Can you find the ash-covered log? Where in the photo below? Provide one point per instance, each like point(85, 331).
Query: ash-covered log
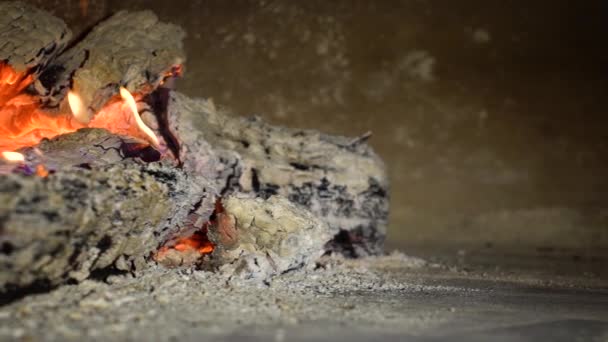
point(131, 49)
point(254, 239)
point(339, 179)
point(29, 37)
point(92, 214)
point(258, 238)
point(198, 188)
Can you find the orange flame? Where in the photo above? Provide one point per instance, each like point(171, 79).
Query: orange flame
point(41, 171)
point(13, 157)
point(23, 123)
point(78, 109)
point(128, 98)
point(11, 83)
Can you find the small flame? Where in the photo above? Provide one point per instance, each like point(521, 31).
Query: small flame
point(78, 109)
point(13, 157)
point(41, 171)
point(24, 122)
point(126, 95)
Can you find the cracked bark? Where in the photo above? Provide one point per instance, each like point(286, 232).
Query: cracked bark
point(268, 237)
point(130, 49)
point(94, 214)
point(337, 178)
point(30, 37)
point(134, 50)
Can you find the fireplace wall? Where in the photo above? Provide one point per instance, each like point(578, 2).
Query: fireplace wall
point(491, 117)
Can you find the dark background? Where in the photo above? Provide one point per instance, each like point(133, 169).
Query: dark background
point(491, 115)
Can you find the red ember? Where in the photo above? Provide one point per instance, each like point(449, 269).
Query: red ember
point(23, 123)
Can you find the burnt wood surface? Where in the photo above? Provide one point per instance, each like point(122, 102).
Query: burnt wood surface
point(29, 37)
point(130, 49)
point(270, 237)
point(134, 50)
point(337, 178)
point(100, 212)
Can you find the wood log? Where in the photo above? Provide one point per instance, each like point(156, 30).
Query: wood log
point(259, 238)
point(105, 203)
point(339, 179)
point(134, 50)
point(74, 221)
point(91, 218)
point(29, 37)
point(88, 148)
point(96, 204)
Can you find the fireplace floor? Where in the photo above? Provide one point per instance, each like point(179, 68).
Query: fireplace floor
point(392, 298)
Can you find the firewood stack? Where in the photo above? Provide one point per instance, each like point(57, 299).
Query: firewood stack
point(86, 192)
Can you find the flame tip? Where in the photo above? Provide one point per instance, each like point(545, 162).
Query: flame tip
point(78, 108)
point(130, 101)
point(14, 157)
point(27, 122)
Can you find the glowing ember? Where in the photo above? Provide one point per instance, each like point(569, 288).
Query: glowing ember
point(198, 241)
point(78, 109)
point(11, 83)
point(126, 95)
point(189, 250)
point(13, 157)
point(41, 171)
point(186, 250)
point(23, 123)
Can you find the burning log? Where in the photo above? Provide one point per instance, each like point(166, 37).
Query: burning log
point(88, 148)
point(339, 179)
point(89, 208)
point(130, 50)
point(29, 40)
point(133, 50)
point(98, 187)
point(108, 215)
point(253, 238)
point(30, 37)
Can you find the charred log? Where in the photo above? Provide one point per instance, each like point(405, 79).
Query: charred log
point(87, 148)
point(339, 179)
point(30, 37)
point(89, 203)
point(259, 238)
point(86, 219)
point(134, 50)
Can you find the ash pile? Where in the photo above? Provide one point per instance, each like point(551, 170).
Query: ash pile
point(106, 170)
